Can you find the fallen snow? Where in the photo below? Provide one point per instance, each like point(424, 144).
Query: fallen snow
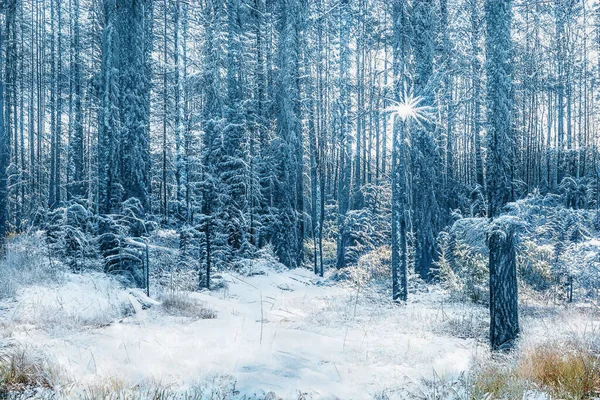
point(287, 332)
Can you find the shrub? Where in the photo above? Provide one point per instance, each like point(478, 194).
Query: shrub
point(463, 268)
point(535, 264)
point(265, 262)
point(557, 251)
point(70, 231)
point(181, 304)
point(27, 262)
point(375, 265)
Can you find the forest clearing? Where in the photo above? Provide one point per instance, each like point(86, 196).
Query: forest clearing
point(299, 199)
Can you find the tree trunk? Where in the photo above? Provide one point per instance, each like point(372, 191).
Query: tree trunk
point(4, 159)
point(504, 313)
point(400, 187)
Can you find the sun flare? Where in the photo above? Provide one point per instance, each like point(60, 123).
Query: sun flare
point(409, 108)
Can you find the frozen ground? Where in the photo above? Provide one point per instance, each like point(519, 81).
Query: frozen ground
point(285, 332)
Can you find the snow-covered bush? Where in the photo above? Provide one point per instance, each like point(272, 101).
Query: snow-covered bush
point(122, 242)
point(579, 268)
point(463, 260)
point(27, 262)
point(367, 230)
point(70, 231)
point(551, 255)
point(574, 192)
point(373, 267)
point(181, 304)
point(190, 250)
point(265, 262)
point(175, 259)
point(119, 257)
point(369, 227)
point(534, 263)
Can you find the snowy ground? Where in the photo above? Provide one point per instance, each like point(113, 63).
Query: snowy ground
point(286, 332)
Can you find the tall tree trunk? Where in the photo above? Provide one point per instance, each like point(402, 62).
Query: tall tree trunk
point(399, 176)
point(78, 187)
point(476, 82)
point(345, 147)
point(504, 324)
point(124, 118)
point(427, 163)
point(4, 162)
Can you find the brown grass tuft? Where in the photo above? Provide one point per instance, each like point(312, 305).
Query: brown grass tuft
point(571, 370)
point(562, 370)
point(20, 370)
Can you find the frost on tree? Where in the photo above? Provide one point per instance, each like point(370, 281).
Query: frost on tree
point(425, 158)
point(124, 115)
point(4, 156)
point(504, 323)
point(500, 135)
point(399, 160)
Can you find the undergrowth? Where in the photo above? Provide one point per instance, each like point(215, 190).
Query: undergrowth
point(564, 370)
point(23, 369)
point(26, 262)
point(182, 304)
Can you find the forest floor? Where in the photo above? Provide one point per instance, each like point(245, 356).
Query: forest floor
point(290, 333)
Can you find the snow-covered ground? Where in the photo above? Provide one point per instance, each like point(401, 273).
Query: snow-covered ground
point(286, 332)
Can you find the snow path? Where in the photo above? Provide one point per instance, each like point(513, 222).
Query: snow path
point(285, 332)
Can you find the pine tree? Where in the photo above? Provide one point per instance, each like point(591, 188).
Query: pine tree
point(77, 187)
point(288, 192)
point(426, 158)
point(504, 326)
point(212, 152)
point(475, 22)
point(345, 147)
point(4, 159)
point(399, 172)
point(8, 165)
point(500, 134)
point(124, 117)
point(233, 169)
point(180, 153)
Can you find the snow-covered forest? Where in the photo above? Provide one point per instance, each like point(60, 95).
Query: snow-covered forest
point(299, 199)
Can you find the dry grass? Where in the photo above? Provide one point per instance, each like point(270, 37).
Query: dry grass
point(498, 380)
point(181, 304)
point(21, 369)
point(218, 387)
point(569, 371)
point(563, 370)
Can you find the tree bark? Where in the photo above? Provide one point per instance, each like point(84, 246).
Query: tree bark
point(504, 313)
